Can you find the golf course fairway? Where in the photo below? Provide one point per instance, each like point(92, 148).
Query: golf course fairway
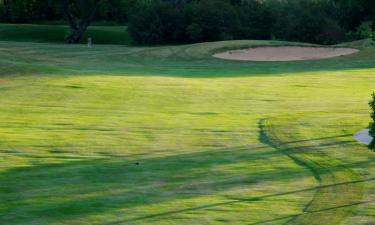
point(171, 135)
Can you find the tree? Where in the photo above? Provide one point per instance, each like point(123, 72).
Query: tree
point(25, 11)
point(372, 124)
point(354, 12)
point(2, 11)
point(114, 10)
point(71, 11)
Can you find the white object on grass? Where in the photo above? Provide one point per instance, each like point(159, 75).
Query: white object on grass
point(89, 42)
point(363, 136)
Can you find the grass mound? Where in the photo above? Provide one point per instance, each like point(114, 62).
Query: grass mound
point(183, 61)
point(365, 43)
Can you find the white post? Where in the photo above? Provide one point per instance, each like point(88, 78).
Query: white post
point(89, 42)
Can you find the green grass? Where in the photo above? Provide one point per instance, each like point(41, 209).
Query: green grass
point(170, 135)
point(57, 33)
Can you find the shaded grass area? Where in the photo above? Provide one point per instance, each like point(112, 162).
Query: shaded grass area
point(94, 187)
point(57, 33)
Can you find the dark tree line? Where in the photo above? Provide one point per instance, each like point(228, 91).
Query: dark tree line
point(186, 21)
point(162, 22)
point(314, 21)
point(31, 11)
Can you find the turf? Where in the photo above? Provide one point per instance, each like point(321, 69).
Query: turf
point(170, 135)
point(57, 33)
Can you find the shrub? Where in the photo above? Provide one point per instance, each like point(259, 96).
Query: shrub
point(331, 32)
point(195, 32)
point(364, 31)
point(255, 20)
point(156, 22)
point(308, 21)
point(212, 20)
point(372, 124)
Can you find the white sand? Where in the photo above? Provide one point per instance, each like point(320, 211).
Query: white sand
point(363, 136)
point(284, 53)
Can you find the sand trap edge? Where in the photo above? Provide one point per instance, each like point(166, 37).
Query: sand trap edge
point(284, 53)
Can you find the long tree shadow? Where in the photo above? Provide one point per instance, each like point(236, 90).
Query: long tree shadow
point(85, 187)
point(258, 198)
point(81, 188)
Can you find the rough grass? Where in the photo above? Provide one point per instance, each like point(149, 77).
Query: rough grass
point(169, 135)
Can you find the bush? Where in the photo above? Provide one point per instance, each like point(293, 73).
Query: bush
point(255, 21)
point(364, 31)
point(308, 21)
point(331, 32)
point(212, 20)
point(372, 124)
point(156, 22)
point(195, 32)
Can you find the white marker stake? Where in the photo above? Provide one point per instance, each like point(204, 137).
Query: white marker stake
point(89, 42)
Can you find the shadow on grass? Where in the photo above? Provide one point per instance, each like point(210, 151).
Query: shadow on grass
point(259, 198)
point(87, 187)
point(80, 188)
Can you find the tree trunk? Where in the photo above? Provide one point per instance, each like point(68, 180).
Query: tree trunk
point(7, 9)
point(78, 32)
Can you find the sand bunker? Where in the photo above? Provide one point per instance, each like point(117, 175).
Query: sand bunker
point(363, 136)
point(284, 53)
